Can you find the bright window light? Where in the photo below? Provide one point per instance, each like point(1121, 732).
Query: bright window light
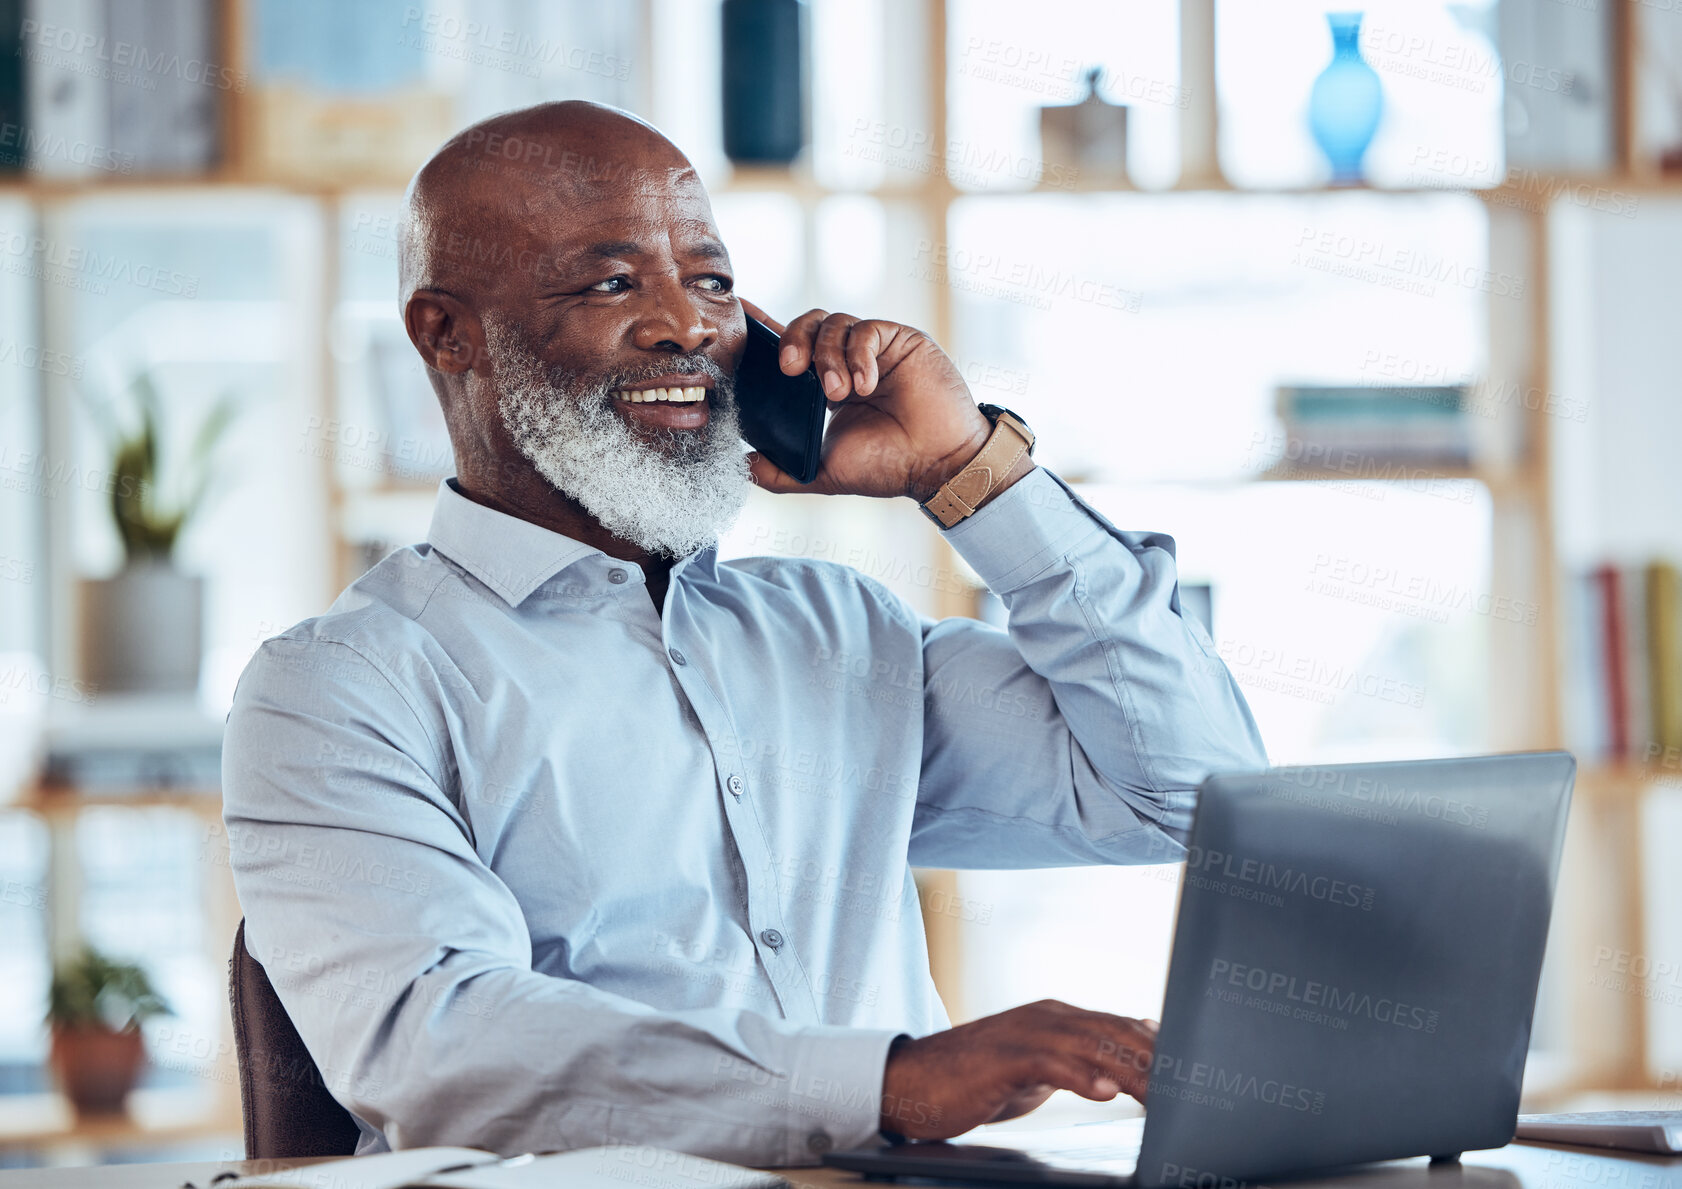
point(1149, 334)
point(1007, 60)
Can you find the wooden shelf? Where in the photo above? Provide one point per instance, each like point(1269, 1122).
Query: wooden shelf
point(154, 1117)
point(1532, 188)
point(798, 182)
point(1500, 480)
point(1290, 472)
point(1626, 778)
point(49, 189)
point(56, 798)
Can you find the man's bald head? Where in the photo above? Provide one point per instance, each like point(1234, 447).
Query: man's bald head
point(468, 209)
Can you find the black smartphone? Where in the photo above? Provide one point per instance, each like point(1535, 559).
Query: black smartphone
point(782, 416)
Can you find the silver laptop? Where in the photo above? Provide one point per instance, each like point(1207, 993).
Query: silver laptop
point(1354, 971)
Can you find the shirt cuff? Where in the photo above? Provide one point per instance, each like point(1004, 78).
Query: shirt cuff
point(834, 1092)
point(1023, 530)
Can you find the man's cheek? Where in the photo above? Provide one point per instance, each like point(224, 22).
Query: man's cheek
point(732, 342)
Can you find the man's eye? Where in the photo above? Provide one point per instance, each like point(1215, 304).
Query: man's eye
point(715, 284)
point(611, 285)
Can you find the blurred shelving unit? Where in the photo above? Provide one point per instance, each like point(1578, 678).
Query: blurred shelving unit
point(1524, 696)
point(207, 1107)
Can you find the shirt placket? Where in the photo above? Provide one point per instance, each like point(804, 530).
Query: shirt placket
point(777, 949)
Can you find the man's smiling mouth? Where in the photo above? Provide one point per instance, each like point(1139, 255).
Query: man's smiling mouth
point(675, 401)
point(671, 395)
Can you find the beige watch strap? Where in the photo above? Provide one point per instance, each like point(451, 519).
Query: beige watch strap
point(963, 492)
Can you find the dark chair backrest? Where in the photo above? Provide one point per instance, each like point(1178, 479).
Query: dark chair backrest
point(288, 1109)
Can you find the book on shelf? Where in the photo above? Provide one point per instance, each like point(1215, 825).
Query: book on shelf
point(118, 86)
point(1415, 424)
point(1664, 647)
point(1624, 663)
point(67, 90)
point(133, 743)
point(1560, 84)
point(1639, 727)
point(1656, 100)
point(166, 107)
point(12, 153)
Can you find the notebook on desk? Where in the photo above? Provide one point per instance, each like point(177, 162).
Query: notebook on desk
point(468, 1168)
point(1632, 1131)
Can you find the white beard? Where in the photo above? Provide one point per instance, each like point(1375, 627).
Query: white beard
point(670, 495)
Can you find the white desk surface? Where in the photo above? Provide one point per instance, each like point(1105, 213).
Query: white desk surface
point(1517, 1166)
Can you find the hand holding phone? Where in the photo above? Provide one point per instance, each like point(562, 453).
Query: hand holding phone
point(903, 423)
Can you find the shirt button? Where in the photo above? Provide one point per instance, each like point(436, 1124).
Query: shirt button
point(819, 1142)
point(773, 940)
point(617, 577)
point(734, 784)
point(677, 657)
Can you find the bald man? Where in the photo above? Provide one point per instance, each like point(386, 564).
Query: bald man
point(557, 830)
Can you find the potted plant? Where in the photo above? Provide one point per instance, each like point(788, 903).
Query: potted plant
point(95, 1010)
point(142, 627)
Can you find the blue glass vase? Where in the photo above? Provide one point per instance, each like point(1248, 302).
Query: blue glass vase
point(1347, 101)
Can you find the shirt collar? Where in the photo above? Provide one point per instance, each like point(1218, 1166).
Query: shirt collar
point(511, 556)
point(702, 563)
point(514, 557)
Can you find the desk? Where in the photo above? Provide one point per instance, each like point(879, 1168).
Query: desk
point(1517, 1166)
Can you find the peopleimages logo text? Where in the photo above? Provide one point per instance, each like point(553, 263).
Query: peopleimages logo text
point(1220, 865)
point(1383, 1009)
point(1210, 1085)
point(1358, 786)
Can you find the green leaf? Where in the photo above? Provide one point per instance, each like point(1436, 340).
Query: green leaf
point(138, 509)
point(94, 989)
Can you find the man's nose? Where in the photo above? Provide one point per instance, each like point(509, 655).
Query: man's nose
point(674, 321)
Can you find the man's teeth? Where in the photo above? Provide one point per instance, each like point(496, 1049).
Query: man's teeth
point(674, 395)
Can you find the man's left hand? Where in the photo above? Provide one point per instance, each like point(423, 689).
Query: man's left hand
point(904, 421)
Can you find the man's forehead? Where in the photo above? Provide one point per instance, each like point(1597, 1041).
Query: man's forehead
point(673, 205)
point(629, 239)
point(608, 182)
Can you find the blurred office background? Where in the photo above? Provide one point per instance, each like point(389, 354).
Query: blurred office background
point(1396, 367)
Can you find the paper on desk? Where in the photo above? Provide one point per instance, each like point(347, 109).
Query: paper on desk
point(388, 1170)
point(618, 1167)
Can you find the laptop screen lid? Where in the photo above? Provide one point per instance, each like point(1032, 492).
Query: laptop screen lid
point(1355, 965)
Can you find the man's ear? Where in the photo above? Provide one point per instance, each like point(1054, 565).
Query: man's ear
point(445, 331)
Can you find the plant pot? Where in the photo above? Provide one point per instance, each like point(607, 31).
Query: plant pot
point(142, 630)
point(96, 1067)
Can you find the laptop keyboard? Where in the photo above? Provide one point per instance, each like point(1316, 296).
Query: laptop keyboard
point(1108, 1146)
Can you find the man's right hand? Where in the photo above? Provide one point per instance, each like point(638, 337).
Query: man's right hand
point(1001, 1066)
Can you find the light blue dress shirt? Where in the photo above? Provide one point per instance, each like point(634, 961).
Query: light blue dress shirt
point(535, 865)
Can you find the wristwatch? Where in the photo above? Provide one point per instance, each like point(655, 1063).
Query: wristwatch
point(962, 493)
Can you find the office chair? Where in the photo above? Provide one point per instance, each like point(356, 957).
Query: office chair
point(287, 1107)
